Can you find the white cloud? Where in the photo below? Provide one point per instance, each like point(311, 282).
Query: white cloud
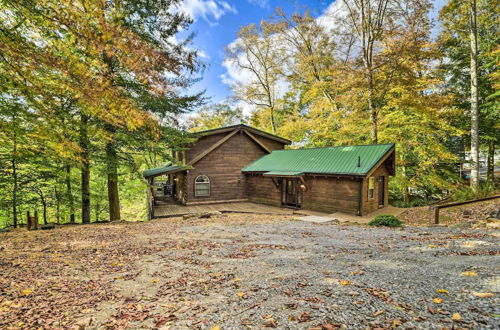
point(209, 10)
point(260, 3)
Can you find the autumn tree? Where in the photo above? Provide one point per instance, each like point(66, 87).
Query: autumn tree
point(214, 116)
point(259, 53)
point(115, 61)
point(455, 43)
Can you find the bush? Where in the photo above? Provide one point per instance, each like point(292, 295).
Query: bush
point(466, 193)
point(385, 220)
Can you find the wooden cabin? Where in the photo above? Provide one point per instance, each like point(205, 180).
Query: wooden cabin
point(240, 163)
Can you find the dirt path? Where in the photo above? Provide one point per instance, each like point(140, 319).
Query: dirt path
point(240, 271)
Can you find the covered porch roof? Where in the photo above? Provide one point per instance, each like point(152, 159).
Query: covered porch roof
point(283, 173)
point(168, 168)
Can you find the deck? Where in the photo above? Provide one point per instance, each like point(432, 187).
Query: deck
point(165, 210)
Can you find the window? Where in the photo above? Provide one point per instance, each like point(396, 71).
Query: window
point(371, 187)
point(201, 186)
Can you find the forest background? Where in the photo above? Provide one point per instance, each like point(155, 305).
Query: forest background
point(94, 92)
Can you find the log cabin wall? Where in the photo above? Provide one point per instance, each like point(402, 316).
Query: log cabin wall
point(263, 190)
point(322, 194)
point(223, 166)
point(328, 194)
point(372, 204)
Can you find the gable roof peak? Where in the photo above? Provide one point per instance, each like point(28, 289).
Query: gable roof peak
point(241, 126)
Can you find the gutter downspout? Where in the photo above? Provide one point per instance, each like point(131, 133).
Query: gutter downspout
point(360, 189)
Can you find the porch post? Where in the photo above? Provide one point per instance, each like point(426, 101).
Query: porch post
point(149, 201)
point(360, 193)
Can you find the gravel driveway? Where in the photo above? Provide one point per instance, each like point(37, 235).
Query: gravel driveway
point(247, 271)
point(242, 271)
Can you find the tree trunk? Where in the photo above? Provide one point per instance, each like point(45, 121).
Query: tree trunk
point(112, 167)
point(273, 124)
point(58, 205)
point(14, 187)
point(44, 205)
point(70, 194)
point(491, 162)
point(84, 144)
point(371, 107)
point(474, 98)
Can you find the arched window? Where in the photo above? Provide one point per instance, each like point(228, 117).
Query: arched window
point(201, 186)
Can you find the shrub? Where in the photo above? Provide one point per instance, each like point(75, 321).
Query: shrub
point(466, 193)
point(385, 220)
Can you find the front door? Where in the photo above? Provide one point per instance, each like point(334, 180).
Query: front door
point(381, 191)
point(291, 193)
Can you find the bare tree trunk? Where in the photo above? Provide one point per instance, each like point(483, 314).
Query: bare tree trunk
point(112, 167)
point(474, 149)
point(70, 194)
point(84, 144)
point(490, 176)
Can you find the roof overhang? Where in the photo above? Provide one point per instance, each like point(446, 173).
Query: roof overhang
point(283, 174)
point(163, 170)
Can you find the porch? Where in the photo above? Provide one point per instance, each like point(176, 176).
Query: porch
point(168, 209)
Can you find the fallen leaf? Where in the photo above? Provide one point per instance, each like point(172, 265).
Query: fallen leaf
point(380, 312)
point(437, 300)
point(469, 273)
point(483, 294)
point(270, 323)
point(345, 282)
point(442, 291)
point(456, 317)
point(26, 292)
point(216, 327)
point(268, 316)
point(156, 280)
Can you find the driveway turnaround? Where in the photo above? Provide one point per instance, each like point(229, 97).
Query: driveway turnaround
point(240, 271)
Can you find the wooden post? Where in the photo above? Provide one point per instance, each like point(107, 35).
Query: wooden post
point(436, 215)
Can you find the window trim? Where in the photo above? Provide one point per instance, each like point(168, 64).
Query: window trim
point(196, 184)
point(371, 191)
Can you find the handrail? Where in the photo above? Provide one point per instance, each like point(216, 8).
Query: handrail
point(436, 208)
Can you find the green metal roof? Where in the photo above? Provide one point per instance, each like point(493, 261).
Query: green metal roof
point(282, 173)
point(167, 168)
point(334, 160)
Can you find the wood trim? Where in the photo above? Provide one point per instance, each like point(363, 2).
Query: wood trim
point(213, 147)
point(249, 128)
point(381, 161)
point(217, 201)
point(262, 145)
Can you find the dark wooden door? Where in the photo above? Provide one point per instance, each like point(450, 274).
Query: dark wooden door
point(291, 193)
point(381, 191)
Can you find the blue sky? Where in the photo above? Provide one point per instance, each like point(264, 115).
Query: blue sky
point(218, 21)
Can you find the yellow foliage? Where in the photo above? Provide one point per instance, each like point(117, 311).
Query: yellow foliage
point(469, 273)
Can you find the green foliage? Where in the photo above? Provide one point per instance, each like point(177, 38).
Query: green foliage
point(385, 220)
point(218, 115)
point(120, 65)
point(466, 193)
